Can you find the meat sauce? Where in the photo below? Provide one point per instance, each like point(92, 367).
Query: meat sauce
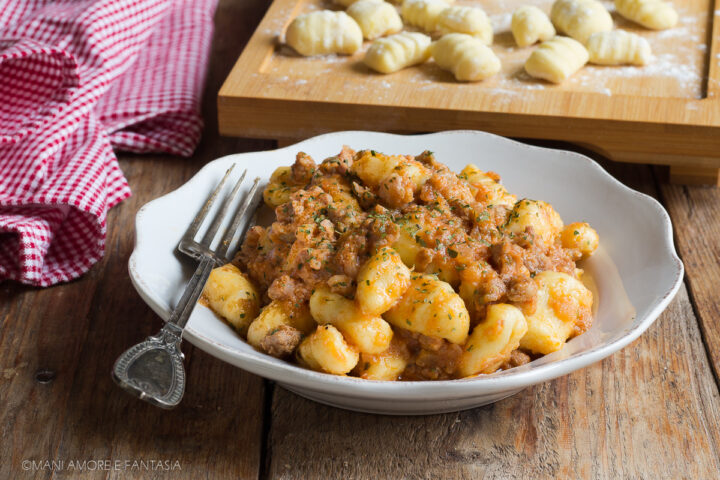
point(333, 221)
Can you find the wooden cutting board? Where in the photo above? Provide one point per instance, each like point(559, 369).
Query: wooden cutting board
point(665, 113)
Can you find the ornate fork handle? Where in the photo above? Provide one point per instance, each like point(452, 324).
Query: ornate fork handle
point(153, 369)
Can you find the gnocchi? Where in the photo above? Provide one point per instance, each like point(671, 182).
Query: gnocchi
point(653, 14)
point(557, 59)
point(530, 25)
point(387, 365)
point(538, 216)
point(492, 341)
point(232, 295)
point(382, 280)
point(579, 19)
point(486, 189)
point(618, 47)
point(463, 19)
point(393, 267)
point(396, 52)
point(423, 13)
point(394, 178)
point(468, 58)
point(323, 32)
point(431, 307)
point(376, 18)
point(581, 238)
point(326, 350)
point(563, 311)
point(369, 333)
point(276, 315)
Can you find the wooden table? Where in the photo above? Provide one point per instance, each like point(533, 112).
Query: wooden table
point(651, 410)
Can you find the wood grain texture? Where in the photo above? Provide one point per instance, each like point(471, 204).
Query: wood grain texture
point(695, 212)
point(664, 113)
point(71, 334)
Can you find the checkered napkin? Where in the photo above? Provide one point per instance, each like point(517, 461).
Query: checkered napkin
point(77, 78)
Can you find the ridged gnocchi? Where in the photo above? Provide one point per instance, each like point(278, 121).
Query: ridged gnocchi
point(653, 14)
point(468, 58)
point(580, 18)
point(230, 294)
point(463, 19)
point(556, 59)
point(431, 307)
point(618, 47)
point(564, 310)
point(369, 333)
point(279, 188)
point(423, 13)
point(486, 189)
point(387, 365)
point(492, 340)
point(581, 237)
point(275, 315)
point(402, 50)
point(326, 350)
point(323, 32)
point(394, 178)
point(538, 216)
point(376, 18)
point(381, 281)
point(530, 25)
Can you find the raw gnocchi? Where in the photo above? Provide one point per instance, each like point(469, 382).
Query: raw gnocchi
point(618, 47)
point(563, 311)
point(468, 58)
point(653, 14)
point(382, 280)
point(369, 333)
point(492, 341)
point(326, 350)
point(463, 19)
point(376, 18)
point(555, 60)
point(530, 25)
point(431, 307)
point(580, 18)
point(230, 294)
point(423, 13)
point(402, 50)
point(323, 32)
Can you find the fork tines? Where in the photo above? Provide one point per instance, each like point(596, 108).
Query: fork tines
point(190, 246)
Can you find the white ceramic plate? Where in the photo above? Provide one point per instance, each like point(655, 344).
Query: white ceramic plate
point(636, 270)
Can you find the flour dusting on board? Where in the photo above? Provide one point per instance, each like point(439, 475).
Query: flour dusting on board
point(677, 68)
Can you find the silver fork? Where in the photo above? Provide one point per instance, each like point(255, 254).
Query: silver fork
point(153, 369)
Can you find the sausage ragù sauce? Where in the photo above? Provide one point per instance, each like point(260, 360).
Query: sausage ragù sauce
point(463, 229)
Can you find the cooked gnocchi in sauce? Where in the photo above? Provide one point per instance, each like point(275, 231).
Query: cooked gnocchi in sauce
point(393, 267)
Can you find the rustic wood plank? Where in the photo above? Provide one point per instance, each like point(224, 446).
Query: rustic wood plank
point(71, 334)
point(651, 410)
point(696, 220)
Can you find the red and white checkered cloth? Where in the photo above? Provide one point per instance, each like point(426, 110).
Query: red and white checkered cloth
point(77, 78)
